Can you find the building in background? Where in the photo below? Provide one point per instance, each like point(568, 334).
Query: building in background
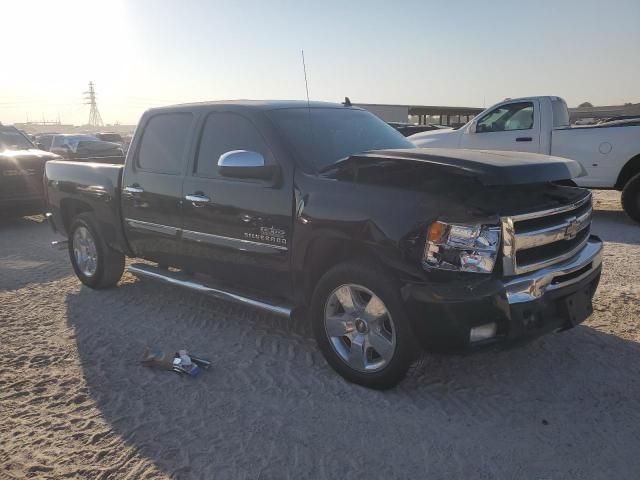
point(589, 114)
point(422, 114)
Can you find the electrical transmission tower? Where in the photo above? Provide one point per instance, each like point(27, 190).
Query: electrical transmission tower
point(95, 120)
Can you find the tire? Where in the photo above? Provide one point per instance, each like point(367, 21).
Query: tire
point(631, 198)
point(363, 331)
point(107, 265)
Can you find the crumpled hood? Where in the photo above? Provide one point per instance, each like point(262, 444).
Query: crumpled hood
point(489, 167)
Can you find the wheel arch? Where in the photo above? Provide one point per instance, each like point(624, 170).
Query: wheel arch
point(70, 208)
point(325, 252)
point(631, 168)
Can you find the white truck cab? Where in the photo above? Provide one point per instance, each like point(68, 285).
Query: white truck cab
point(609, 154)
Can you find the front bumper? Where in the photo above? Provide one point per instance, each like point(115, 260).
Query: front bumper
point(551, 299)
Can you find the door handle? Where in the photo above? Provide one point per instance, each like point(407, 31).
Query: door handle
point(133, 189)
point(524, 139)
point(197, 199)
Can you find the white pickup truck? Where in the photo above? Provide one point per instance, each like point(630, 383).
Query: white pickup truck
point(609, 154)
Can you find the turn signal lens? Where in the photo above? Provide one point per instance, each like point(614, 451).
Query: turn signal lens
point(437, 231)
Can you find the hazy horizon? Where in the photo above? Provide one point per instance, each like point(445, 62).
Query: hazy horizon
point(149, 53)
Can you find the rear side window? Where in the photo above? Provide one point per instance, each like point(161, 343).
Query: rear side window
point(512, 116)
point(560, 113)
point(222, 133)
point(164, 141)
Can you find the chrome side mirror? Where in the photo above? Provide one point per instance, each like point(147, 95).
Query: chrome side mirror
point(244, 164)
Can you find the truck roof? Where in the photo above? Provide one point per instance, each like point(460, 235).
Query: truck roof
point(254, 105)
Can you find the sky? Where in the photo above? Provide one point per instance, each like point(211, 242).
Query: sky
point(146, 53)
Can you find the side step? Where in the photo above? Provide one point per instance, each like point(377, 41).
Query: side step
point(180, 279)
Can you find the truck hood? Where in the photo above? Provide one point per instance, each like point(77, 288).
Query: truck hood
point(30, 154)
point(489, 167)
point(441, 136)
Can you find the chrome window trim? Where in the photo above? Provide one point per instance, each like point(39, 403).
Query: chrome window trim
point(202, 237)
point(230, 241)
point(153, 227)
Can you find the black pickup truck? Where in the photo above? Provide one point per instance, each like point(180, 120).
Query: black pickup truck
point(325, 210)
point(21, 171)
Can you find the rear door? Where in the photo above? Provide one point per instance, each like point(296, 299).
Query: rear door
point(152, 186)
point(510, 126)
point(239, 230)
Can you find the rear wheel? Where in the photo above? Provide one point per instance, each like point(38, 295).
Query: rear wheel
point(631, 198)
point(94, 262)
point(361, 326)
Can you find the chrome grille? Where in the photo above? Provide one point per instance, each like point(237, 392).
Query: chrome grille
point(540, 239)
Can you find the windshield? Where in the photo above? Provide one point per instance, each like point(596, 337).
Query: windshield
point(72, 140)
point(12, 139)
point(320, 137)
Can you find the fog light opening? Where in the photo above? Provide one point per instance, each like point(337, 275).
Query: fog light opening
point(483, 332)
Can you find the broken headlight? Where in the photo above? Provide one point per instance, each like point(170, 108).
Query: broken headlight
point(462, 248)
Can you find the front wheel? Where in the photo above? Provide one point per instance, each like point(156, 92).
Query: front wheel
point(631, 198)
point(361, 326)
point(95, 263)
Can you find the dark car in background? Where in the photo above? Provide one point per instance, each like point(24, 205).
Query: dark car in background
point(83, 147)
point(21, 172)
point(110, 137)
point(408, 129)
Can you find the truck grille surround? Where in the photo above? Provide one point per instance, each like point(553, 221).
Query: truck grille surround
point(536, 240)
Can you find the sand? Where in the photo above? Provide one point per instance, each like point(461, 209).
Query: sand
point(75, 402)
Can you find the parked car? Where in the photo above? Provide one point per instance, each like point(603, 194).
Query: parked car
point(110, 137)
point(21, 172)
point(83, 147)
point(43, 141)
point(408, 129)
point(610, 153)
point(325, 209)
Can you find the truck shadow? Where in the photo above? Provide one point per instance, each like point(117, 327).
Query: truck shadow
point(25, 253)
point(615, 226)
point(270, 407)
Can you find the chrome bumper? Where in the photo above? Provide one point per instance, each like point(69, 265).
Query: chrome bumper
point(532, 286)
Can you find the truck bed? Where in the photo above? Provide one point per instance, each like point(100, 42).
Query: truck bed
point(91, 187)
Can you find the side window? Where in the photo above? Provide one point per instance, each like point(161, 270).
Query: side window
point(163, 142)
point(513, 116)
point(222, 133)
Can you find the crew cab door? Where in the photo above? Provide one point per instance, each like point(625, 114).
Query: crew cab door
point(237, 225)
point(509, 126)
point(152, 186)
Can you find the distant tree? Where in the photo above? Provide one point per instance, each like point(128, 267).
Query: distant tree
point(585, 105)
point(628, 104)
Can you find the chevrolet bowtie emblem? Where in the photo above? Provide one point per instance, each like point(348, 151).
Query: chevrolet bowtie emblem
point(572, 229)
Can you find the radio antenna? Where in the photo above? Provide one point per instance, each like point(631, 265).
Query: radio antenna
point(306, 84)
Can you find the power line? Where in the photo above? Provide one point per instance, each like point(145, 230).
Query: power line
point(95, 120)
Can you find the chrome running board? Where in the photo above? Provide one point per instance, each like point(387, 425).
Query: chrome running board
point(176, 278)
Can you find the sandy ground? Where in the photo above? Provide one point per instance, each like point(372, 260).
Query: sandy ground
point(75, 402)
